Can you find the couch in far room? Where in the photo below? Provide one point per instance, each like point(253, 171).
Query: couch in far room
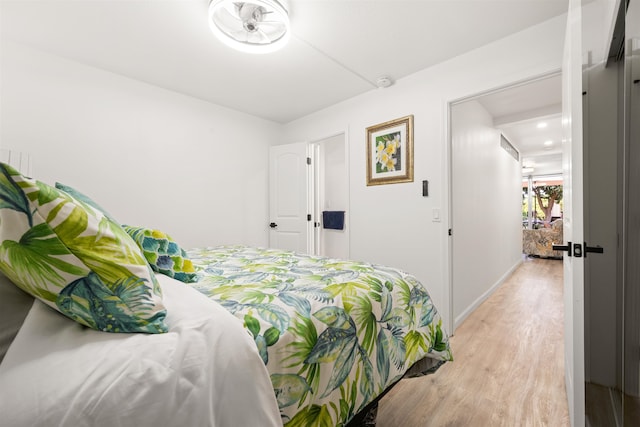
point(539, 242)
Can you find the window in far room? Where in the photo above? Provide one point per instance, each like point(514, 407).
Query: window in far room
point(541, 201)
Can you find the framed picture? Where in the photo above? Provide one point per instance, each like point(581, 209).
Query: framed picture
point(390, 152)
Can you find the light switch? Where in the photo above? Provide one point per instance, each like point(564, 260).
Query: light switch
point(436, 215)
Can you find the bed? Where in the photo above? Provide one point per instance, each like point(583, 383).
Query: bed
point(217, 336)
point(334, 334)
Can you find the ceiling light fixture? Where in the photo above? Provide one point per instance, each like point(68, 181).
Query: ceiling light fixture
point(548, 143)
point(541, 125)
point(253, 26)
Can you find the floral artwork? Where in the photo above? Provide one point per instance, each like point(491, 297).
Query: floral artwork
point(390, 152)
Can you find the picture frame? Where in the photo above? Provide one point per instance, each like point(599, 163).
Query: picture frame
point(390, 152)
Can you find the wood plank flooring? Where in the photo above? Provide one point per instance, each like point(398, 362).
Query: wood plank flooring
point(509, 362)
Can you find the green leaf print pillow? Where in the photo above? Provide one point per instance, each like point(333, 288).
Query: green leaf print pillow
point(75, 259)
point(164, 255)
point(83, 199)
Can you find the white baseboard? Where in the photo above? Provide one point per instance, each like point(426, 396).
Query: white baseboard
point(458, 320)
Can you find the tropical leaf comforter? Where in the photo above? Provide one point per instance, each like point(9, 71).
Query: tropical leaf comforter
point(333, 334)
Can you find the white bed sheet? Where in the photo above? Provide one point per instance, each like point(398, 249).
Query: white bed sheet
point(206, 371)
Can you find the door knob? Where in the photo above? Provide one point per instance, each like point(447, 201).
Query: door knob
point(273, 225)
point(565, 248)
point(578, 249)
point(593, 249)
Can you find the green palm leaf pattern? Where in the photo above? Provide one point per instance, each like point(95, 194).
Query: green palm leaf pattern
point(103, 253)
point(335, 317)
point(304, 337)
point(263, 341)
point(416, 343)
point(390, 348)
point(330, 345)
point(45, 193)
point(363, 316)
point(37, 263)
point(274, 315)
point(438, 339)
point(11, 194)
point(333, 334)
point(83, 200)
point(367, 382)
point(313, 415)
point(345, 408)
point(342, 368)
point(289, 388)
point(119, 307)
point(300, 304)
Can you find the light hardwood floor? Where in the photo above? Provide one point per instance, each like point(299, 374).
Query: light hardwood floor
point(508, 367)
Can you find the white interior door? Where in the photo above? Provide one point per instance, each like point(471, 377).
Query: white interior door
point(573, 214)
point(289, 202)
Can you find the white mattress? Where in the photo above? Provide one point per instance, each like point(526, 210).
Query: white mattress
point(206, 371)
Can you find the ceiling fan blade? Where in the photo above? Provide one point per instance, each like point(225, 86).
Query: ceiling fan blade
point(269, 11)
point(231, 8)
point(264, 38)
point(241, 35)
point(272, 23)
point(274, 29)
point(229, 16)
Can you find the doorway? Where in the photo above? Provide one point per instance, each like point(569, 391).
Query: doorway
point(331, 197)
point(309, 197)
point(492, 136)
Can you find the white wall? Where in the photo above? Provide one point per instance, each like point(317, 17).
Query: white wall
point(486, 208)
point(149, 156)
point(392, 224)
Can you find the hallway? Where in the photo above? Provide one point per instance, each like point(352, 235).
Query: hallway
point(508, 367)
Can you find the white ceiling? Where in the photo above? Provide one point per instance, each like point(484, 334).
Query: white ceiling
point(519, 112)
point(338, 49)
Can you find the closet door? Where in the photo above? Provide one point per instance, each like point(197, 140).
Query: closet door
point(602, 219)
point(631, 233)
point(290, 212)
